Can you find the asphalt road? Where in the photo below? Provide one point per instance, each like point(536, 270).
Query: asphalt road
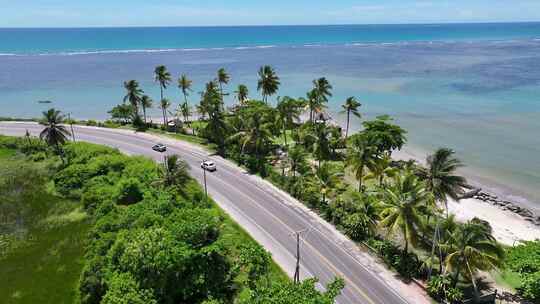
point(268, 214)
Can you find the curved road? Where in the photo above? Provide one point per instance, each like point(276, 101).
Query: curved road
point(268, 214)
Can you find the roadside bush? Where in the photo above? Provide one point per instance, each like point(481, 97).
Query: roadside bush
point(128, 191)
point(405, 263)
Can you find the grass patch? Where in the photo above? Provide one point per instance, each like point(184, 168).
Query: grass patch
point(42, 240)
point(6, 153)
point(46, 265)
point(507, 278)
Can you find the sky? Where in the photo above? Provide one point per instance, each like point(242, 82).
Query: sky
point(92, 13)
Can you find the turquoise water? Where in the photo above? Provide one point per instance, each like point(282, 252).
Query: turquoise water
point(471, 87)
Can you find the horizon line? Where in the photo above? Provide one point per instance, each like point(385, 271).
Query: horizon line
point(273, 25)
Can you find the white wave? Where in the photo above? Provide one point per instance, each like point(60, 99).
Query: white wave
point(8, 54)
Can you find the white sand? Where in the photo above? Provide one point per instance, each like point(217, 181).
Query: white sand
point(508, 227)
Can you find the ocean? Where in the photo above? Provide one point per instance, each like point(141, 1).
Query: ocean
point(471, 87)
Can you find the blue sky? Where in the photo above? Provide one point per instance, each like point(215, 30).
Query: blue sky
point(73, 13)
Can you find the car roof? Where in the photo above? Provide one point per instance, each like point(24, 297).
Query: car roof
point(208, 162)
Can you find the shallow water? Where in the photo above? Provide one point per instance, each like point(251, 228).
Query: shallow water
point(474, 94)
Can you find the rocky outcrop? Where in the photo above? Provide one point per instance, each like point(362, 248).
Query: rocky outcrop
point(494, 200)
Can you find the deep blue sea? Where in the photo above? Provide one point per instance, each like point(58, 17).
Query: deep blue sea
point(471, 87)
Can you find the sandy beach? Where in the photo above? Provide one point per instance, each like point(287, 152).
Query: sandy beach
point(508, 227)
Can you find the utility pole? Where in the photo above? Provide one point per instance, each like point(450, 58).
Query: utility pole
point(205, 187)
point(71, 126)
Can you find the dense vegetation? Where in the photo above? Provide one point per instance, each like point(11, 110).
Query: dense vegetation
point(42, 234)
point(525, 260)
point(398, 208)
point(150, 237)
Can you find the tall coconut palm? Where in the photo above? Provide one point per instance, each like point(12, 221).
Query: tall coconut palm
point(222, 78)
point(313, 103)
point(163, 77)
point(185, 110)
point(268, 82)
point(381, 168)
point(146, 103)
point(351, 106)
point(297, 158)
point(288, 112)
point(217, 128)
point(441, 177)
point(242, 93)
point(164, 105)
point(471, 248)
point(360, 154)
point(400, 208)
point(326, 180)
point(321, 135)
point(133, 94)
point(257, 135)
point(54, 133)
point(184, 83)
point(323, 89)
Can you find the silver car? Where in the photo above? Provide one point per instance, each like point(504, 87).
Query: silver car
point(208, 165)
point(159, 148)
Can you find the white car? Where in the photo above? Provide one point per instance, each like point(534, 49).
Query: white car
point(159, 148)
point(208, 165)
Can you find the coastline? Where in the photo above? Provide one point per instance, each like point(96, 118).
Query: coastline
point(501, 211)
point(509, 226)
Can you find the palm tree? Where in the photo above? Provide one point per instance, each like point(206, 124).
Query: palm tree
point(288, 110)
point(380, 168)
point(257, 135)
point(164, 105)
point(54, 133)
point(133, 94)
point(185, 110)
point(351, 106)
point(242, 93)
point(441, 178)
point(217, 128)
point(472, 247)
point(321, 144)
point(400, 207)
point(268, 82)
point(314, 103)
point(163, 77)
point(222, 78)
point(184, 83)
point(146, 103)
point(297, 158)
point(323, 89)
point(326, 179)
point(360, 154)
point(174, 171)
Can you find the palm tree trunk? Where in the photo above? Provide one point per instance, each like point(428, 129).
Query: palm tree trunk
point(164, 119)
point(456, 276)
point(348, 119)
point(144, 113)
point(161, 91)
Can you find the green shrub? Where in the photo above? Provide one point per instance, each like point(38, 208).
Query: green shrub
point(530, 286)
